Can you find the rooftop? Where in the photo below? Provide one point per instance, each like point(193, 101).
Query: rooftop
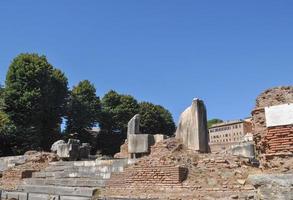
point(227, 123)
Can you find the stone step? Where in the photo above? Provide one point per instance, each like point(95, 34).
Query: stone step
point(73, 163)
point(102, 168)
point(57, 168)
point(96, 169)
point(70, 182)
point(114, 162)
point(72, 174)
point(58, 190)
point(35, 196)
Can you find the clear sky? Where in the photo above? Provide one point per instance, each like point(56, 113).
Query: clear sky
point(163, 51)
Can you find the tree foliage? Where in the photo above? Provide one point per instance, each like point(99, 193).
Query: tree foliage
point(155, 119)
point(117, 110)
point(34, 99)
point(1, 97)
point(213, 121)
point(83, 109)
point(7, 137)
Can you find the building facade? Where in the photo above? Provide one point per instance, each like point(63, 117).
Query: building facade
point(223, 135)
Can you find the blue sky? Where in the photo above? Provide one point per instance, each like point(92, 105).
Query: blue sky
point(166, 52)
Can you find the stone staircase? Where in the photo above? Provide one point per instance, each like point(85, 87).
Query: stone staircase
point(72, 180)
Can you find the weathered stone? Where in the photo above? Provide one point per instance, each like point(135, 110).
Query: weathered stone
point(68, 151)
point(273, 186)
point(159, 137)
point(139, 143)
point(241, 181)
point(72, 150)
point(56, 144)
point(11, 161)
point(244, 150)
point(283, 180)
point(133, 125)
point(192, 128)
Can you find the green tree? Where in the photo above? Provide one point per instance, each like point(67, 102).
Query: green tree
point(155, 119)
point(1, 97)
point(117, 110)
point(83, 109)
point(35, 99)
point(213, 121)
point(7, 136)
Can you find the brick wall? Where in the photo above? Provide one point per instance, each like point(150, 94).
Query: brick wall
point(279, 139)
point(143, 175)
point(163, 175)
point(156, 169)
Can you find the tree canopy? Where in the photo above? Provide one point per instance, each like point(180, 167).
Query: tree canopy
point(35, 98)
point(83, 109)
point(117, 110)
point(155, 119)
point(213, 121)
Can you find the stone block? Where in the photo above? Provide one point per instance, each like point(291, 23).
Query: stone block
point(192, 127)
point(272, 186)
point(159, 137)
point(16, 195)
point(133, 125)
point(244, 150)
point(11, 161)
point(55, 145)
point(74, 198)
point(72, 150)
point(68, 151)
point(139, 143)
point(58, 190)
point(32, 196)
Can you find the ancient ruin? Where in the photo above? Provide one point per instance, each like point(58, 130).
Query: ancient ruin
point(139, 144)
point(72, 150)
point(192, 127)
point(271, 97)
point(156, 167)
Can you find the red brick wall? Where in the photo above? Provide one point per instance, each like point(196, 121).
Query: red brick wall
point(164, 175)
point(279, 139)
point(156, 175)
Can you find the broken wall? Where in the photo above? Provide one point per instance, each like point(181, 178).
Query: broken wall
point(270, 97)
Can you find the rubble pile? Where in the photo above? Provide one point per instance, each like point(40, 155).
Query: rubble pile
point(276, 163)
point(275, 96)
point(35, 161)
